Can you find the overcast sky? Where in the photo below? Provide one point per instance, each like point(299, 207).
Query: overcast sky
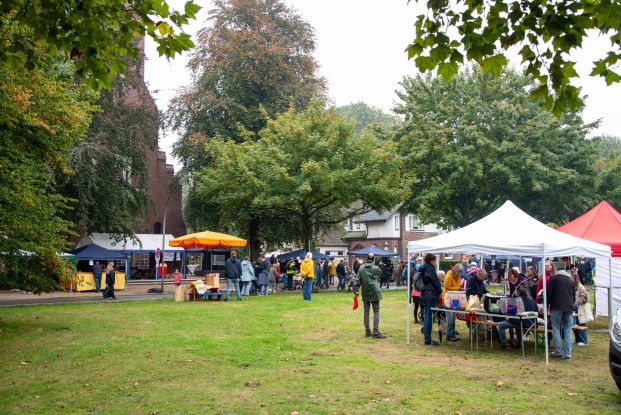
point(360, 50)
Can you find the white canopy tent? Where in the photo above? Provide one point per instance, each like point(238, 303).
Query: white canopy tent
point(510, 231)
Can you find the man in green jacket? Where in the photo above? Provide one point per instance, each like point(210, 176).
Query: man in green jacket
point(368, 278)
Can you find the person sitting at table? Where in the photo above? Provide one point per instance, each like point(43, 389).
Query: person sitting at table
point(476, 284)
point(452, 282)
point(514, 323)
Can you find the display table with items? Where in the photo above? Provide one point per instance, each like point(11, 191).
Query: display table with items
point(209, 289)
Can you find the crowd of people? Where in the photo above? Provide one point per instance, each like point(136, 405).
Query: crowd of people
point(565, 294)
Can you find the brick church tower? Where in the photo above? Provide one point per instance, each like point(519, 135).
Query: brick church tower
point(159, 172)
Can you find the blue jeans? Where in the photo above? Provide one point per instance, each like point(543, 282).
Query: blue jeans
point(307, 289)
point(428, 319)
point(98, 283)
point(228, 288)
point(562, 320)
point(341, 285)
point(582, 336)
point(450, 325)
point(502, 331)
point(284, 281)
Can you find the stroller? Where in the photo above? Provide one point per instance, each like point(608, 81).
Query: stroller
point(350, 282)
point(298, 281)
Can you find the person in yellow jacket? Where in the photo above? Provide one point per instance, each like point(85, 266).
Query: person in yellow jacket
point(452, 282)
point(307, 269)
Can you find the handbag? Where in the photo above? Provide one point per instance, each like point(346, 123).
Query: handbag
point(585, 312)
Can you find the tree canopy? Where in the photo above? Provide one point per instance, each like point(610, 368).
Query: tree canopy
point(254, 59)
point(97, 35)
point(364, 115)
point(476, 141)
point(43, 114)
point(310, 167)
point(451, 33)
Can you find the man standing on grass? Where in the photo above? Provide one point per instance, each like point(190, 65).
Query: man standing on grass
point(232, 273)
point(369, 279)
point(561, 298)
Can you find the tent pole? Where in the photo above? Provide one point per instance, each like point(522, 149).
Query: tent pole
point(609, 293)
point(545, 302)
point(409, 295)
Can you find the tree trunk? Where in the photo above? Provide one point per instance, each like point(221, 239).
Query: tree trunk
point(254, 243)
point(307, 230)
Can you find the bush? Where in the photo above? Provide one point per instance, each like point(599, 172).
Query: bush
point(445, 264)
point(34, 273)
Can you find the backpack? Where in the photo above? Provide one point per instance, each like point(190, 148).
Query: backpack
point(419, 284)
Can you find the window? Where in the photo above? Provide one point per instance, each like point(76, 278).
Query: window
point(397, 219)
point(141, 260)
point(217, 260)
point(340, 253)
point(157, 228)
point(358, 226)
point(413, 223)
point(350, 224)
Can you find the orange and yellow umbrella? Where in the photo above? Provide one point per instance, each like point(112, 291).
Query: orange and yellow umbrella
point(208, 239)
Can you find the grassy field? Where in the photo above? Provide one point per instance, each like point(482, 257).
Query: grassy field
point(273, 355)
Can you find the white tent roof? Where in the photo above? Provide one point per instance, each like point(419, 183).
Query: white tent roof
point(143, 242)
point(510, 231)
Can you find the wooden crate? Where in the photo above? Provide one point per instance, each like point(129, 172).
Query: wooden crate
point(213, 280)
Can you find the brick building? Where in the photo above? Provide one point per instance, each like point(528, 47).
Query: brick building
point(159, 171)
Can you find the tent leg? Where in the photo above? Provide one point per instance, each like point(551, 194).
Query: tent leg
point(545, 304)
point(609, 293)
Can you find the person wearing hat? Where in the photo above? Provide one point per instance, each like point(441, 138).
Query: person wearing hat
point(561, 296)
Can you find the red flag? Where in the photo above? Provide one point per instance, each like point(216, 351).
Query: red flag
point(355, 302)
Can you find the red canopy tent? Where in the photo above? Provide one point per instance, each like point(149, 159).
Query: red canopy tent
point(602, 224)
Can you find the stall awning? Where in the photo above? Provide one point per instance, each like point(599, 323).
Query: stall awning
point(143, 242)
point(96, 252)
point(301, 253)
point(371, 249)
point(208, 239)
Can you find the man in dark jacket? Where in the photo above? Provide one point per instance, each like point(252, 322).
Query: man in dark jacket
point(340, 273)
point(561, 295)
point(97, 275)
point(232, 273)
point(430, 296)
point(476, 284)
point(368, 278)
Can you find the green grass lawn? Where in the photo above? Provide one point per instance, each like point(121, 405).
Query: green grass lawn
point(274, 355)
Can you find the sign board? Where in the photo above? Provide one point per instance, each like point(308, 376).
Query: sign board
point(157, 254)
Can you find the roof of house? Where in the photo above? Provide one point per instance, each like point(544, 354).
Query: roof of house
point(374, 216)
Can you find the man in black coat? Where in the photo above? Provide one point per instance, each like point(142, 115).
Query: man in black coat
point(561, 295)
point(476, 284)
point(430, 296)
point(232, 273)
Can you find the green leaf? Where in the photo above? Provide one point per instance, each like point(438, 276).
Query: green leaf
point(494, 64)
point(447, 70)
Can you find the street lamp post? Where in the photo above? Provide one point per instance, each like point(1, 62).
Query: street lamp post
point(173, 188)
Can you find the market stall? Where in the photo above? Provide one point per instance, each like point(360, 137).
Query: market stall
point(372, 249)
point(602, 224)
point(86, 256)
point(509, 231)
point(301, 253)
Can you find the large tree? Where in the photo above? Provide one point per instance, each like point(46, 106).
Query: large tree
point(107, 176)
point(453, 32)
point(476, 141)
point(608, 167)
point(254, 58)
point(43, 114)
point(366, 116)
point(97, 35)
point(311, 169)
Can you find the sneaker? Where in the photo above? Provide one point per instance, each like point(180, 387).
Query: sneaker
point(368, 334)
point(582, 344)
point(433, 343)
point(567, 357)
point(556, 355)
point(453, 339)
point(378, 335)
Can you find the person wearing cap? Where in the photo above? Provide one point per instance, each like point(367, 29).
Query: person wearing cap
point(561, 296)
point(368, 280)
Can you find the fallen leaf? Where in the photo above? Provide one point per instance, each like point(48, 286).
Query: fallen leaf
point(571, 394)
point(24, 363)
point(295, 413)
point(136, 383)
point(457, 413)
point(387, 382)
point(312, 396)
point(499, 383)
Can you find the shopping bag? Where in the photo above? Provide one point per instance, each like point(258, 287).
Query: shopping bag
point(355, 302)
point(474, 303)
point(585, 313)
